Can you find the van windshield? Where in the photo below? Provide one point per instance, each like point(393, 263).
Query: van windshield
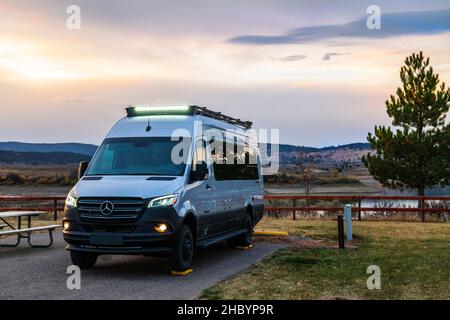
point(140, 156)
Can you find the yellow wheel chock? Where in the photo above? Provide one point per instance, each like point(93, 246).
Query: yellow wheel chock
point(181, 273)
point(270, 233)
point(244, 247)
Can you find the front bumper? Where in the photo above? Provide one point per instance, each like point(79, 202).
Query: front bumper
point(109, 236)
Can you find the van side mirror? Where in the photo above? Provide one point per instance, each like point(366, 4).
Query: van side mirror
point(200, 172)
point(82, 169)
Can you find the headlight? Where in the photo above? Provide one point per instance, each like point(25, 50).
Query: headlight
point(71, 201)
point(161, 227)
point(66, 225)
point(163, 201)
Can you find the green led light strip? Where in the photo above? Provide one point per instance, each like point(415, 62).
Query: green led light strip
point(136, 111)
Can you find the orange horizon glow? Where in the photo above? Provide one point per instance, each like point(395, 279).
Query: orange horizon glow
point(46, 68)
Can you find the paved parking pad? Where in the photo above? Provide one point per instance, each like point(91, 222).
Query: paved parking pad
point(41, 273)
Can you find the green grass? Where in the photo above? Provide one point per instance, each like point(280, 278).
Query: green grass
point(414, 259)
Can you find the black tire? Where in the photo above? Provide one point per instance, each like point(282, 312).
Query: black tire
point(183, 251)
point(245, 239)
point(83, 260)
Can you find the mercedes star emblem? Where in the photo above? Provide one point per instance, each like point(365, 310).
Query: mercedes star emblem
point(106, 208)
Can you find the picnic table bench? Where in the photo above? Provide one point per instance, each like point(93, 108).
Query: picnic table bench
point(24, 233)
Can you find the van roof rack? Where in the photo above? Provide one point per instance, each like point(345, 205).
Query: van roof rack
point(134, 111)
point(220, 116)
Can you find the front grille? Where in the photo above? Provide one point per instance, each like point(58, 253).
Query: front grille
point(123, 209)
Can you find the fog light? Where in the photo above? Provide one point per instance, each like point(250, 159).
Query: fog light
point(161, 227)
point(66, 225)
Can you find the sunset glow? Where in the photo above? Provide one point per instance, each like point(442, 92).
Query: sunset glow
point(145, 58)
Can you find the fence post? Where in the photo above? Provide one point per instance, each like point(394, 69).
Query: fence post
point(359, 209)
point(341, 232)
point(422, 206)
point(293, 211)
point(55, 210)
point(348, 220)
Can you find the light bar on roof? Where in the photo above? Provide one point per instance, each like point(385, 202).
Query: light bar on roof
point(139, 110)
point(145, 110)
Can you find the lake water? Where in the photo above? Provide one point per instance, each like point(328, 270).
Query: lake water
point(405, 203)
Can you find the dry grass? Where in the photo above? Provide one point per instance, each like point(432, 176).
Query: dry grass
point(38, 170)
point(414, 259)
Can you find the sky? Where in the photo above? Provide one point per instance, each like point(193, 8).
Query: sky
point(311, 69)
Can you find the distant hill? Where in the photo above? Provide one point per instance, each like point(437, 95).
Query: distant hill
point(79, 148)
point(287, 148)
point(351, 146)
point(60, 153)
point(291, 148)
point(40, 158)
point(333, 156)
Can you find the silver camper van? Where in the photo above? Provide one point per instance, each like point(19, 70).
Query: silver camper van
point(166, 181)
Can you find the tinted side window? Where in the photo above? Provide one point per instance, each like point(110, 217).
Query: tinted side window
point(199, 153)
point(236, 162)
point(249, 170)
point(219, 158)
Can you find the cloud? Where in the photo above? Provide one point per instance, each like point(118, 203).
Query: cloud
point(290, 58)
point(328, 55)
point(392, 25)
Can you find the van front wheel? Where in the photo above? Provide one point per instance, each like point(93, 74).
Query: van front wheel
point(244, 239)
point(183, 251)
point(82, 259)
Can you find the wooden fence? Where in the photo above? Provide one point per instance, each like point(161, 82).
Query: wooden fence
point(55, 204)
point(358, 208)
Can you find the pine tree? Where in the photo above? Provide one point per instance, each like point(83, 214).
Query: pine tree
point(417, 154)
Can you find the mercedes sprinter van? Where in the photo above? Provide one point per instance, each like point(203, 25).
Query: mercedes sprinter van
point(165, 181)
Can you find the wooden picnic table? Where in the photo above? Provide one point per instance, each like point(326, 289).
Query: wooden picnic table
point(23, 233)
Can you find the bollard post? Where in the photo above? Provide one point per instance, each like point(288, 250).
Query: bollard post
point(359, 209)
point(293, 211)
point(348, 221)
point(341, 232)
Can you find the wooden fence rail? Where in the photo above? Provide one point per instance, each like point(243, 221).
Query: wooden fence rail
point(28, 203)
point(351, 197)
point(358, 208)
point(53, 204)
